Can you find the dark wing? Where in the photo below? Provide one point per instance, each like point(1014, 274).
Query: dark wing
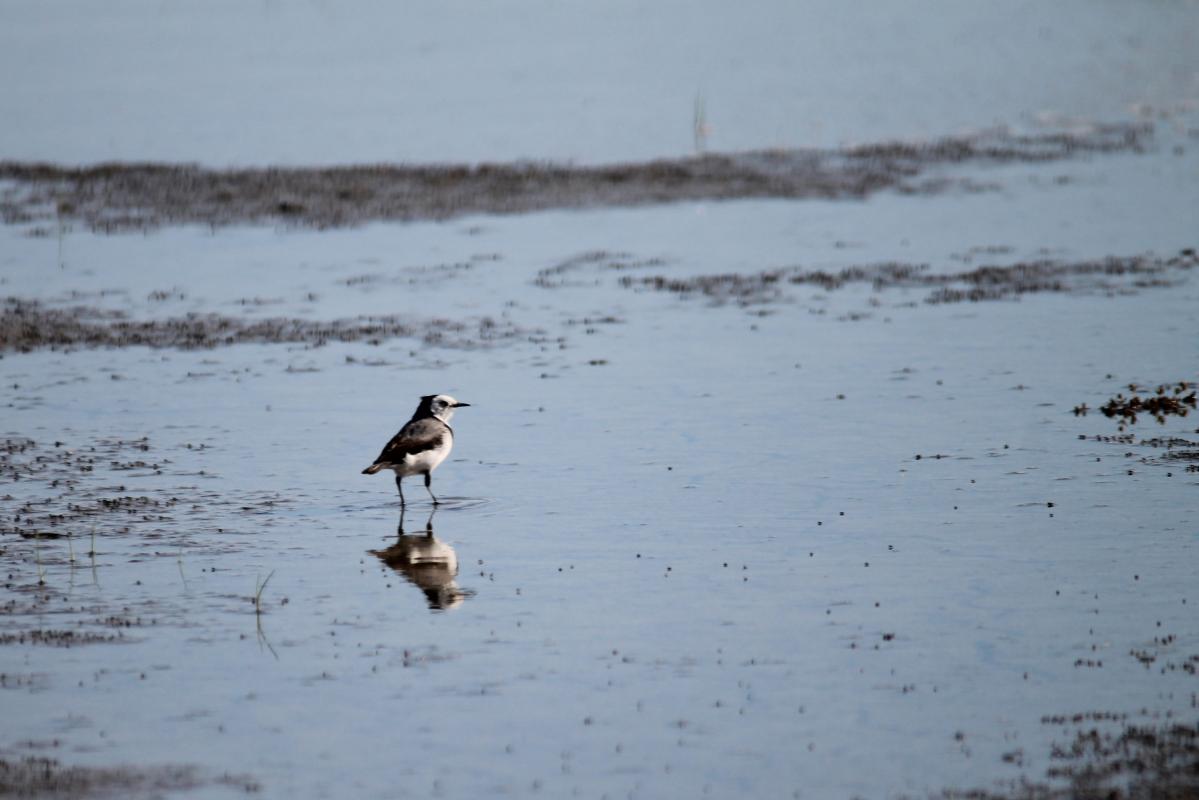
point(417, 436)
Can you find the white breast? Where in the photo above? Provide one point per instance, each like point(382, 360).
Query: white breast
point(425, 461)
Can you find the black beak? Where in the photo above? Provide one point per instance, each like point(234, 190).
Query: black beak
point(461, 405)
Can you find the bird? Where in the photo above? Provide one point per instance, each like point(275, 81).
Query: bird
point(422, 444)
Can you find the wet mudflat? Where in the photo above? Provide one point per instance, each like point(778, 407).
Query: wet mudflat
point(822, 516)
point(832, 430)
point(44, 777)
point(137, 196)
point(1109, 275)
point(27, 325)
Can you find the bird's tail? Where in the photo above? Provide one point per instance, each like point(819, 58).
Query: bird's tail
point(372, 469)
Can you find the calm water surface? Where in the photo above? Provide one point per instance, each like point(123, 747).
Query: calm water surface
point(840, 543)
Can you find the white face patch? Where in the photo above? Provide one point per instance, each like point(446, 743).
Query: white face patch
point(443, 407)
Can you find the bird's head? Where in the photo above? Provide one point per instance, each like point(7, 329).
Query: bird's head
point(441, 406)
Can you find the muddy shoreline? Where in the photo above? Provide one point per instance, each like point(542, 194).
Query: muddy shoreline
point(33, 776)
point(27, 325)
point(134, 196)
point(120, 548)
point(1114, 274)
point(1110, 754)
point(1152, 760)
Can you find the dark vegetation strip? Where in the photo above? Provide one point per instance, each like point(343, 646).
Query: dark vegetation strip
point(27, 325)
point(1115, 274)
point(37, 777)
point(1168, 399)
point(119, 196)
point(1135, 762)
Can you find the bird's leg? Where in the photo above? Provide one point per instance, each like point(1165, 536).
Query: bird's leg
point(428, 486)
point(400, 527)
point(400, 486)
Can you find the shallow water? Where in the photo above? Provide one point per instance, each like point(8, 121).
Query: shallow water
point(832, 542)
point(700, 549)
point(319, 83)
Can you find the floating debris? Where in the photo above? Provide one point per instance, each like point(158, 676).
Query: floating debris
point(58, 638)
point(1166, 400)
point(556, 276)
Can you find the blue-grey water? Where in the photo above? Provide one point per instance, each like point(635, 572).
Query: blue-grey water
point(842, 543)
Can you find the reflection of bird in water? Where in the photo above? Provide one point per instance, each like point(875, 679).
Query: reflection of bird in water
point(422, 444)
point(428, 563)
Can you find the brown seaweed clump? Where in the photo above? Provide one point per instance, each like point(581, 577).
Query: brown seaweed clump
point(1166, 400)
